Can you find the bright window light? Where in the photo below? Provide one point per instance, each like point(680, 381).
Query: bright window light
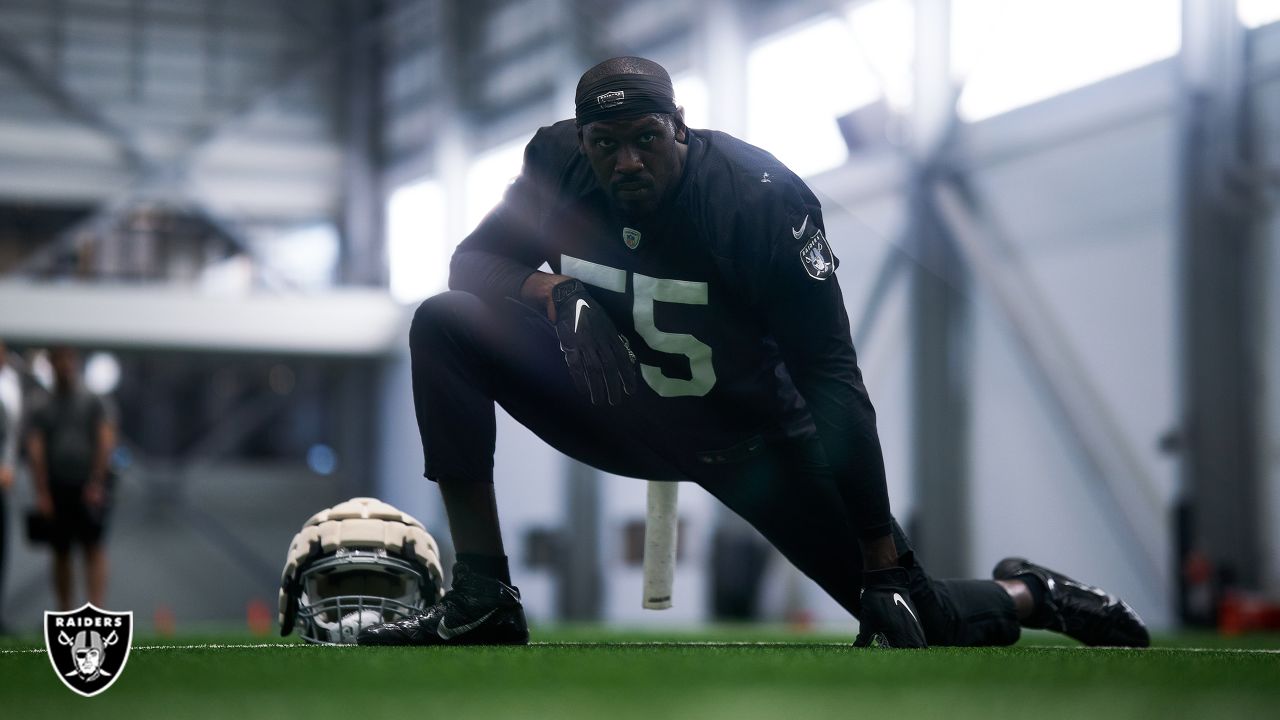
point(10, 395)
point(101, 373)
point(1016, 52)
point(307, 255)
point(417, 249)
point(1256, 13)
point(800, 81)
point(884, 34)
point(488, 177)
point(691, 94)
point(42, 369)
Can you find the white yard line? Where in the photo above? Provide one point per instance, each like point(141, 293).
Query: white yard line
point(709, 643)
point(210, 646)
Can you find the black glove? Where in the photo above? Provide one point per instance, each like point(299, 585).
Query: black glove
point(889, 618)
point(600, 360)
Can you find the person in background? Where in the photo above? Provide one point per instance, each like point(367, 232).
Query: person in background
point(69, 444)
point(10, 412)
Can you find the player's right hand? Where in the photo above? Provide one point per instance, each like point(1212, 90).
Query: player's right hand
point(599, 359)
point(889, 618)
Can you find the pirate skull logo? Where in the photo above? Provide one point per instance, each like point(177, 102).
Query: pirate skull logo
point(88, 649)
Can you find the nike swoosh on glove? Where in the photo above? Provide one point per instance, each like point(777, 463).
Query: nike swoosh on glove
point(889, 618)
point(600, 360)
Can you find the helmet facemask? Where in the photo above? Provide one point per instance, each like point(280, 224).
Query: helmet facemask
point(355, 589)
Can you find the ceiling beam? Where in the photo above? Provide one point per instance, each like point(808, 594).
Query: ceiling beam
point(48, 85)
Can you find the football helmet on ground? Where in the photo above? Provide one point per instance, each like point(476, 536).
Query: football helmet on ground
point(357, 564)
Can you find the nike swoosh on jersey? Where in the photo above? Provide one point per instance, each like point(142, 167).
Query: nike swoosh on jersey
point(897, 600)
point(797, 233)
point(447, 633)
point(577, 314)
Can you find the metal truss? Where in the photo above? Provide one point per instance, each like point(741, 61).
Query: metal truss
point(166, 180)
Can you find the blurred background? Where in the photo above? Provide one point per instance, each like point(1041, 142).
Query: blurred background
point(1056, 222)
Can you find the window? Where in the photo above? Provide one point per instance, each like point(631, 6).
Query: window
point(1016, 52)
point(798, 83)
point(691, 94)
point(488, 177)
point(307, 254)
point(804, 78)
point(417, 249)
point(1256, 13)
point(884, 34)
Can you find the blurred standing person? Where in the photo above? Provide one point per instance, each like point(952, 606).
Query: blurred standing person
point(69, 445)
point(10, 413)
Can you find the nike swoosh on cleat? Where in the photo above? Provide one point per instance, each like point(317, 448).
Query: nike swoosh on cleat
point(797, 233)
point(447, 633)
point(577, 314)
point(897, 600)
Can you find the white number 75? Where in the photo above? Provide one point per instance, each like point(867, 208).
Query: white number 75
point(647, 291)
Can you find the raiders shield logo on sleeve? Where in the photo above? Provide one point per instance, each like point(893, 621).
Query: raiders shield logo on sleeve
point(88, 647)
point(817, 257)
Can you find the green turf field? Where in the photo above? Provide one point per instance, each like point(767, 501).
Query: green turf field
point(720, 673)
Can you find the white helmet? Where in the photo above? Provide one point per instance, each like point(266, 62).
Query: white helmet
point(359, 563)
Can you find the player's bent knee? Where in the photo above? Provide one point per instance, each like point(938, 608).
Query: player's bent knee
point(442, 314)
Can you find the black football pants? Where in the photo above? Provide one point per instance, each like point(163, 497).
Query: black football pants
point(466, 356)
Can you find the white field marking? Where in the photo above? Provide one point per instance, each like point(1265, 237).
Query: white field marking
point(210, 646)
point(784, 643)
point(638, 643)
point(664, 644)
point(1247, 651)
point(1257, 651)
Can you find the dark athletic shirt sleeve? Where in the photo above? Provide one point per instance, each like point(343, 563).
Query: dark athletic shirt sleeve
point(507, 246)
point(806, 317)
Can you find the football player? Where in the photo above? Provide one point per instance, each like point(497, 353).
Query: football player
point(691, 329)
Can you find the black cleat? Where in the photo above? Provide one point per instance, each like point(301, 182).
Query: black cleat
point(477, 611)
point(1089, 614)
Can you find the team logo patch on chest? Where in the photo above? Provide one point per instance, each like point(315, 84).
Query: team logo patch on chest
point(817, 257)
point(631, 237)
point(88, 647)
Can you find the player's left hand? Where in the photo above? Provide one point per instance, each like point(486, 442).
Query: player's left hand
point(600, 360)
point(889, 618)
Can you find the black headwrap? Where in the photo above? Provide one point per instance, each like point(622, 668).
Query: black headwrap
point(625, 95)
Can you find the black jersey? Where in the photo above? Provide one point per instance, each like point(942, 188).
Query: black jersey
point(729, 299)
